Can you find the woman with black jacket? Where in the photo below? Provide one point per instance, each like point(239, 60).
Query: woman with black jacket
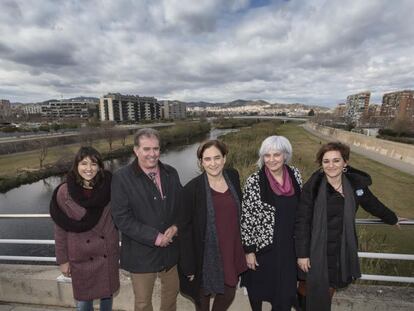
point(211, 253)
point(325, 236)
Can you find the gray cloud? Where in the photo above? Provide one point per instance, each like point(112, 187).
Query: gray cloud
point(5, 50)
point(214, 50)
point(45, 58)
point(10, 11)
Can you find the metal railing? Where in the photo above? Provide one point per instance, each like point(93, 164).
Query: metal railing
point(370, 277)
point(385, 256)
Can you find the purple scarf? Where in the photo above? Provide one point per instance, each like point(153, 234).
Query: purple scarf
point(286, 189)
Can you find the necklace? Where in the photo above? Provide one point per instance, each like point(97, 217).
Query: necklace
point(219, 184)
point(337, 188)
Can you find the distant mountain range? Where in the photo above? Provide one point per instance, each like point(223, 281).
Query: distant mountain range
point(242, 102)
point(80, 98)
point(234, 103)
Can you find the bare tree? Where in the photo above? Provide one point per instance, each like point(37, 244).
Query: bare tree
point(123, 134)
point(400, 126)
point(87, 135)
point(43, 150)
point(109, 134)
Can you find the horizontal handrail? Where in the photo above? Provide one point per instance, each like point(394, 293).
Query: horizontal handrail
point(360, 254)
point(387, 278)
point(391, 256)
point(370, 277)
point(386, 256)
point(24, 215)
point(359, 221)
point(22, 241)
point(374, 221)
point(28, 258)
point(367, 277)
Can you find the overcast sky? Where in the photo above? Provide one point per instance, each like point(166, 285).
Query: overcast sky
point(308, 51)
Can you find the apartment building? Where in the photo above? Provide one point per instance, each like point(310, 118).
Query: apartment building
point(118, 107)
point(357, 106)
point(340, 110)
point(66, 109)
point(30, 109)
point(173, 109)
point(398, 105)
point(5, 108)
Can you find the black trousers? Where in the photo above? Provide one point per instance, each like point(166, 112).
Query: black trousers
point(221, 301)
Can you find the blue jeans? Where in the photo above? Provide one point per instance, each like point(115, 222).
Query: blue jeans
point(104, 305)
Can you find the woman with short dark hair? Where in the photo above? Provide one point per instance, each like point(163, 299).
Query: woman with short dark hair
point(325, 236)
point(211, 255)
point(86, 240)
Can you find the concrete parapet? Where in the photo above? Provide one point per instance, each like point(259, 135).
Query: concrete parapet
point(390, 149)
point(37, 285)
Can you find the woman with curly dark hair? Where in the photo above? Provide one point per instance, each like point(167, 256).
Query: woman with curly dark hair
point(325, 236)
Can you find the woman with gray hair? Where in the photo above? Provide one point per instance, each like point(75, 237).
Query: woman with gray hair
point(270, 199)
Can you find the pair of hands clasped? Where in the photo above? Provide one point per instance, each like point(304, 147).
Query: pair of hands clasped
point(167, 236)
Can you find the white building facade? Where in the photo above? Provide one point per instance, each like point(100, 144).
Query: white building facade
point(119, 108)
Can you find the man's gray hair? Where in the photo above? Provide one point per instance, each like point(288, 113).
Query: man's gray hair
point(275, 143)
point(146, 132)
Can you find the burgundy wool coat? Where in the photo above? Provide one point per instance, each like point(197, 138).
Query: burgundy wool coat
point(93, 255)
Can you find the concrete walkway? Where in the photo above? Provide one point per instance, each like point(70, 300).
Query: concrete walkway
point(10, 307)
point(35, 288)
point(399, 165)
point(354, 298)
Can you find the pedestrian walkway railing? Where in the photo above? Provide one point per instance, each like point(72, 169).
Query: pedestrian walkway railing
point(371, 277)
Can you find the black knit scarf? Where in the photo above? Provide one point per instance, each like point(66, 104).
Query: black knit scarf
point(94, 205)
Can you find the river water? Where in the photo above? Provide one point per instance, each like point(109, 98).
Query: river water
point(34, 199)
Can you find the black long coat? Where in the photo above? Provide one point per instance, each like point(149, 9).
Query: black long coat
point(360, 181)
point(192, 234)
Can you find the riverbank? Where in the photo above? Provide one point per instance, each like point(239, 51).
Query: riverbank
point(24, 168)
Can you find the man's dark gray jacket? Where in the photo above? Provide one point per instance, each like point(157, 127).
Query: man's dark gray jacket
point(140, 214)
